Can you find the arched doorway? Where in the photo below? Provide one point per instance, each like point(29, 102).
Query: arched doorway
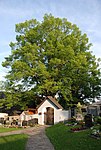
point(49, 116)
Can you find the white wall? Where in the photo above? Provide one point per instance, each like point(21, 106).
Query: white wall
point(42, 110)
point(28, 117)
point(11, 118)
point(45, 105)
point(61, 115)
point(35, 116)
point(3, 115)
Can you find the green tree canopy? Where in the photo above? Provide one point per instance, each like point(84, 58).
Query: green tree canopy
point(52, 57)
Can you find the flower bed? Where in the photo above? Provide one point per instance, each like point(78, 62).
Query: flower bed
point(78, 129)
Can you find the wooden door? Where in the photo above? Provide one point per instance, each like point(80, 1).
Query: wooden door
point(50, 116)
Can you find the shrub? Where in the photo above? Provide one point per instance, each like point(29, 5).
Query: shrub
point(72, 120)
point(98, 120)
point(82, 123)
point(100, 128)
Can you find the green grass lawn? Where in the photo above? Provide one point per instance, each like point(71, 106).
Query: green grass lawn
point(63, 139)
point(13, 142)
point(8, 129)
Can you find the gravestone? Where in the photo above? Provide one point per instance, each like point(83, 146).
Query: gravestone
point(24, 123)
point(2, 120)
point(32, 122)
point(79, 117)
point(88, 120)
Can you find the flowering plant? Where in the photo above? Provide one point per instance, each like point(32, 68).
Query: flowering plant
point(78, 129)
point(95, 133)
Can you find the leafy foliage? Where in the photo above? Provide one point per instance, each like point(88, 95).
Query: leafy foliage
point(53, 57)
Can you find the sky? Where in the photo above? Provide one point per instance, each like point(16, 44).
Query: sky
point(86, 14)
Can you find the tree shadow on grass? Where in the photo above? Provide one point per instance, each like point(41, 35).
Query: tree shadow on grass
point(13, 142)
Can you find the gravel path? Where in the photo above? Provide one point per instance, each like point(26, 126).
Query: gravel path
point(37, 138)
